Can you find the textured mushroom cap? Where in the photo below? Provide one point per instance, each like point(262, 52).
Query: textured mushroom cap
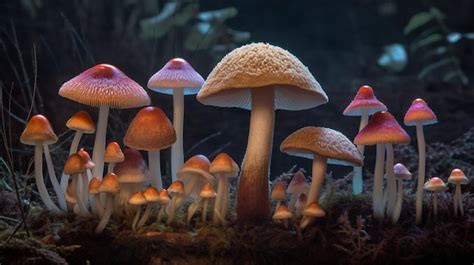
point(38, 130)
point(282, 213)
point(69, 194)
point(74, 165)
point(261, 66)
point(81, 121)
point(419, 112)
point(151, 194)
point(110, 184)
point(150, 130)
point(164, 197)
point(457, 176)
point(401, 172)
point(94, 185)
point(309, 142)
point(435, 185)
point(207, 191)
point(364, 100)
point(105, 85)
point(298, 184)
point(225, 165)
point(279, 192)
point(177, 73)
point(137, 199)
point(133, 168)
point(176, 187)
point(382, 129)
point(301, 202)
point(314, 210)
point(86, 159)
point(196, 167)
point(113, 153)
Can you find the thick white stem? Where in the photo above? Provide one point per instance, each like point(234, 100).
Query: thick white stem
point(54, 180)
point(420, 137)
point(204, 210)
point(177, 157)
point(435, 204)
point(398, 205)
point(109, 205)
point(135, 219)
point(357, 180)
point(391, 181)
point(377, 199)
point(145, 215)
point(43, 192)
point(72, 150)
point(155, 170)
point(319, 169)
point(99, 143)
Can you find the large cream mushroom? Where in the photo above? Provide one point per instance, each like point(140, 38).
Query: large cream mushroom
point(262, 78)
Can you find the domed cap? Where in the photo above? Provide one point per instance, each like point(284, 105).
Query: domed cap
point(298, 183)
point(137, 199)
point(74, 165)
point(279, 192)
point(435, 185)
point(282, 213)
point(457, 176)
point(364, 100)
point(151, 194)
point(419, 112)
point(81, 121)
point(113, 153)
point(401, 172)
point(110, 184)
point(225, 165)
point(69, 194)
point(164, 197)
point(196, 167)
point(94, 185)
point(259, 66)
point(308, 142)
point(382, 129)
point(207, 191)
point(105, 85)
point(38, 130)
point(176, 187)
point(86, 159)
point(133, 168)
point(177, 73)
point(314, 210)
point(150, 130)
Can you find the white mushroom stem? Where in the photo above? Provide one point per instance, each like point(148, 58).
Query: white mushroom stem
point(319, 169)
point(391, 181)
point(377, 199)
point(204, 210)
point(278, 204)
point(193, 207)
point(435, 204)
point(110, 167)
point(135, 219)
point(85, 189)
point(109, 205)
point(78, 194)
point(177, 156)
point(99, 143)
point(357, 180)
point(43, 192)
point(72, 150)
point(172, 210)
point(420, 137)
point(306, 221)
point(97, 206)
point(160, 213)
point(145, 215)
point(398, 205)
point(54, 180)
point(458, 200)
point(155, 170)
point(221, 204)
point(225, 203)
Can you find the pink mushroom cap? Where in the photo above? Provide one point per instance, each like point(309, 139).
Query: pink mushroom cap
point(419, 112)
point(382, 129)
point(364, 100)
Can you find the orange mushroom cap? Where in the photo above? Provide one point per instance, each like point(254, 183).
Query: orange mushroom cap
point(419, 112)
point(151, 194)
point(113, 153)
point(38, 130)
point(81, 121)
point(382, 129)
point(74, 165)
point(224, 164)
point(196, 166)
point(364, 100)
point(457, 176)
point(86, 159)
point(110, 184)
point(435, 185)
point(137, 199)
point(207, 191)
point(279, 192)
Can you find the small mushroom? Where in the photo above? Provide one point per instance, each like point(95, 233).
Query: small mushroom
point(137, 199)
point(435, 185)
point(278, 194)
point(75, 167)
point(312, 211)
point(401, 174)
point(152, 196)
point(207, 193)
point(177, 190)
point(164, 201)
point(110, 186)
point(113, 155)
point(194, 174)
point(282, 213)
point(86, 176)
point(94, 191)
point(458, 178)
point(298, 185)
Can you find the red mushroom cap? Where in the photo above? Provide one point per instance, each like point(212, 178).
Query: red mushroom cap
point(364, 100)
point(419, 112)
point(382, 129)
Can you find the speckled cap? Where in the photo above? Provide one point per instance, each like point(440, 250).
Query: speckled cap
point(382, 129)
point(38, 130)
point(94, 185)
point(435, 185)
point(113, 153)
point(105, 85)
point(150, 130)
point(81, 121)
point(151, 194)
point(364, 100)
point(308, 142)
point(282, 213)
point(279, 192)
point(419, 112)
point(177, 73)
point(225, 165)
point(457, 176)
point(261, 66)
point(74, 165)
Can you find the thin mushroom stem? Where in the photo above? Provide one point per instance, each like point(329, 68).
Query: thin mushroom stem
point(78, 194)
point(109, 205)
point(377, 199)
point(398, 205)
point(85, 188)
point(155, 170)
point(253, 196)
point(461, 208)
point(145, 215)
point(177, 157)
point(357, 180)
point(204, 210)
point(319, 169)
point(135, 219)
point(99, 143)
point(225, 197)
point(54, 180)
point(193, 207)
point(219, 199)
point(456, 200)
point(160, 213)
point(391, 181)
point(73, 149)
point(420, 137)
point(43, 192)
point(306, 221)
point(172, 210)
point(97, 206)
point(293, 198)
point(435, 204)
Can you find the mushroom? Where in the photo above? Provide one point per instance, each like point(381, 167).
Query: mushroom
point(177, 78)
point(86, 175)
point(151, 131)
point(263, 78)
point(104, 86)
point(298, 185)
point(94, 191)
point(194, 174)
point(164, 201)
point(278, 194)
point(383, 131)
point(364, 104)
point(401, 174)
point(152, 196)
point(110, 186)
point(310, 213)
point(81, 122)
point(113, 155)
point(177, 189)
point(435, 185)
point(38, 132)
point(137, 199)
point(282, 213)
point(75, 167)
point(223, 167)
point(458, 178)
point(207, 193)
point(420, 114)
